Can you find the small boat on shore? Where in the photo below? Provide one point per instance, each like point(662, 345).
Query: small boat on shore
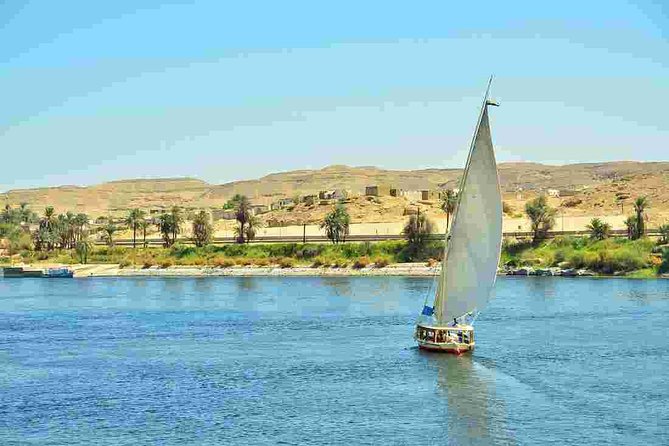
point(471, 251)
point(11, 272)
point(15, 272)
point(58, 273)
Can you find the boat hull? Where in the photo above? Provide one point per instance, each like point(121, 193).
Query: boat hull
point(446, 347)
point(445, 339)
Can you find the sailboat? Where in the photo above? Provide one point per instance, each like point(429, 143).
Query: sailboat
point(471, 251)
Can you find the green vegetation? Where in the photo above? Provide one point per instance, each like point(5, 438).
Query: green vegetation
point(640, 205)
point(108, 230)
point(242, 214)
point(82, 249)
point(202, 229)
point(340, 255)
point(664, 233)
point(64, 238)
point(641, 257)
point(542, 217)
point(416, 231)
point(598, 229)
point(449, 201)
point(336, 224)
point(134, 220)
point(630, 224)
point(636, 224)
point(664, 265)
point(233, 202)
point(609, 256)
point(169, 225)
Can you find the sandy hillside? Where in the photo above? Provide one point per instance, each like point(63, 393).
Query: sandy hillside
point(586, 190)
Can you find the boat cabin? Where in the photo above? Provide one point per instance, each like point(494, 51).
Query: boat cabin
point(439, 335)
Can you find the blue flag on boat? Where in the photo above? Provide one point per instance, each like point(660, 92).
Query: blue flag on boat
point(427, 311)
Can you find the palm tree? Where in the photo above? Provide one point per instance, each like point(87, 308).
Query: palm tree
point(598, 229)
point(71, 229)
point(26, 214)
point(630, 223)
point(448, 203)
point(44, 238)
point(80, 222)
point(135, 216)
point(542, 217)
point(83, 247)
point(6, 216)
point(177, 220)
point(108, 231)
point(144, 225)
point(49, 212)
point(165, 226)
point(336, 224)
point(61, 230)
point(242, 214)
point(664, 233)
point(640, 205)
point(416, 231)
point(253, 224)
point(202, 229)
point(48, 218)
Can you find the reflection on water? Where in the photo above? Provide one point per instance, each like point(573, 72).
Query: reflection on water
point(340, 286)
point(173, 286)
point(203, 286)
point(246, 284)
point(474, 415)
point(538, 287)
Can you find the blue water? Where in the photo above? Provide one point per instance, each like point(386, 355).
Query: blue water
point(253, 361)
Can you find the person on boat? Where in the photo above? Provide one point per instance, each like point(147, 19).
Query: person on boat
point(455, 322)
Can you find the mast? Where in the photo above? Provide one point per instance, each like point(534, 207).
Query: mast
point(442, 294)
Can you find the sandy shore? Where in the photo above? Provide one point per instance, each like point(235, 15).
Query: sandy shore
point(396, 269)
point(107, 270)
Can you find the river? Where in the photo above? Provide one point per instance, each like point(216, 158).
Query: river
point(288, 360)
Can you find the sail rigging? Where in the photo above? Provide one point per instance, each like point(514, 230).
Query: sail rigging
point(473, 245)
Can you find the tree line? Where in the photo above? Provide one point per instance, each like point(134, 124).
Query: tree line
point(71, 231)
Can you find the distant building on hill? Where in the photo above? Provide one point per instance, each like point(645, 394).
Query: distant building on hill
point(377, 190)
point(282, 204)
point(257, 209)
point(553, 193)
point(427, 195)
point(411, 195)
point(310, 200)
point(223, 214)
point(417, 195)
point(334, 194)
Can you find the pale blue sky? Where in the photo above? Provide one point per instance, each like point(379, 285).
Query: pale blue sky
point(96, 91)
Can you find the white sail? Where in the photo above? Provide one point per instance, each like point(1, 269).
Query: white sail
point(473, 249)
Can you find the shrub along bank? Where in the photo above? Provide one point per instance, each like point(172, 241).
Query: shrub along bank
point(609, 256)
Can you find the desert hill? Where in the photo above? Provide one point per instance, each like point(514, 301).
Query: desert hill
point(592, 189)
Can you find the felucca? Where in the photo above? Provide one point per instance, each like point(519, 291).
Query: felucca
point(471, 251)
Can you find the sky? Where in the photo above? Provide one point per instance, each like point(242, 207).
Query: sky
point(223, 91)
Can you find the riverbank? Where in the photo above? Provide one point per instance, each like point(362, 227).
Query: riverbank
point(115, 270)
point(106, 270)
point(564, 256)
point(415, 269)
